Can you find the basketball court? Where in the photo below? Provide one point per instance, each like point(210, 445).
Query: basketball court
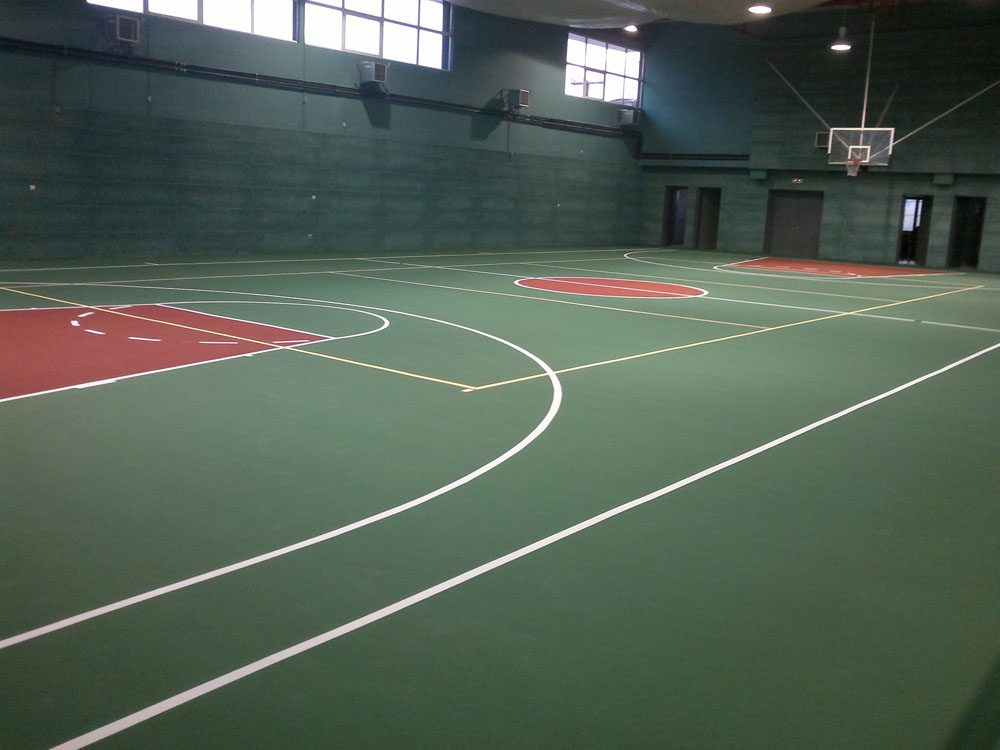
point(616, 493)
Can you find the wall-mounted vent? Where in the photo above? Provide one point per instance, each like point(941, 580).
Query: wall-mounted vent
point(515, 98)
point(823, 139)
point(626, 117)
point(124, 29)
point(373, 72)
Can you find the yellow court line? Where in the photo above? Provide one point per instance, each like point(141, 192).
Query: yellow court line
point(312, 272)
point(718, 283)
point(717, 340)
point(545, 299)
point(463, 386)
point(41, 284)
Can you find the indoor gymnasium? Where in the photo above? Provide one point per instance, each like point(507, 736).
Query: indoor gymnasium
point(499, 374)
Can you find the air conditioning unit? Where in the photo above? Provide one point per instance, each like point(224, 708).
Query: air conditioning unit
point(123, 29)
point(373, 72)
point(515, 98)
point(627, 117)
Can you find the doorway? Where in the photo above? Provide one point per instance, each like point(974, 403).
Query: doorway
point(793, 223)
point(966, 231)
point(914, 229)
point(674, 215)
point(706, 234)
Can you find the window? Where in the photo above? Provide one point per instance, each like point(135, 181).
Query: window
point(273, 18)
point(410, 31)
point(598, 70)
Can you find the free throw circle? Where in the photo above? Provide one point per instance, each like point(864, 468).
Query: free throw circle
point(604, 287)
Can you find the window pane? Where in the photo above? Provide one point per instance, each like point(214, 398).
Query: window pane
point(595, 54)
point(273, 18)
point(331, 3)
point(595, 84)
point(633, 63)
point(134, 5)
point(432, 16)
point(614, 88)
point(180, 8)
point(632, 91)
point(616, 59)
point(362, 34)
point(399, 42)
point(371, 7)
point(576, 50)
point(324, 26)
point(574, 80)
point(406, 11)
point(227, 14)
point(431, 49)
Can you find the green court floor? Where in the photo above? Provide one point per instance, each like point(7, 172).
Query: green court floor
point(483, 515)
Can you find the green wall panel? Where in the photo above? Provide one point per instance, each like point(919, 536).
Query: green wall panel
point(128, 161)
point(861, 215)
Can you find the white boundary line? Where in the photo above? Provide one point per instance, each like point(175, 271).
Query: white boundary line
point(205, 688)
point(956, 325)
point(809, 309)
point(539, 428)
point(307, 260)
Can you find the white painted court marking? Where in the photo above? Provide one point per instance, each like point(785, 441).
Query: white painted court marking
point(205, 688)
point(296, 260)
point(956, 325)
point(810, 309)
point(546, 420)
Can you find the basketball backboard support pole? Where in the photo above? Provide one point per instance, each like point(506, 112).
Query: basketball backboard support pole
point(847, 145)
point(948, 111)
point(796, 92)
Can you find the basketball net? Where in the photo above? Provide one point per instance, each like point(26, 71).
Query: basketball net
point(852, 167)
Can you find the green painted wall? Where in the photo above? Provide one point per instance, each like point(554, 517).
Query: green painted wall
point(861, 215)
point(939, 53)
point(935, 66)
point(130, 161)
point(700, 87)
point(126, 161)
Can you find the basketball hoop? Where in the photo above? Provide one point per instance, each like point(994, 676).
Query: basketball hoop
point(852, 167)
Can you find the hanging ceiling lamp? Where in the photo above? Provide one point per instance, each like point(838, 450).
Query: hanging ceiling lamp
point(841, 43)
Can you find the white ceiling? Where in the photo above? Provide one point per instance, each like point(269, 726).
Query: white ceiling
point(599, 14)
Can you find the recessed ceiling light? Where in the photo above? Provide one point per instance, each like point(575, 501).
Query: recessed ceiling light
point(760, 10)
point(631, 28)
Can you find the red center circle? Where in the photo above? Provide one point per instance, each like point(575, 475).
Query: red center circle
point(602, 287)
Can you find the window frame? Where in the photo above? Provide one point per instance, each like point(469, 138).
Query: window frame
point(444, 32)
point(298, 8)
point(595, 72)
